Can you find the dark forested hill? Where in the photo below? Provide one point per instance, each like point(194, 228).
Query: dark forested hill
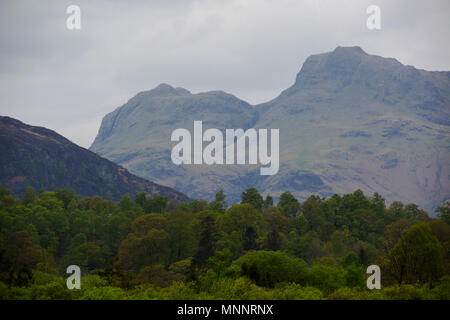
point(41, 158)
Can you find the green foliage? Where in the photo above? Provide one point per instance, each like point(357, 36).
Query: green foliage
point(289, 204)
point(444, 212)
point(157, 276)
point(126, 203)
point(294, 291)
point(29, 196)
point(151, 249)
point(103, 293)
point(327, 277)
point(354, 276)
point(236, 224)
point(266, 268)
point(138, 250)
point(208, 235)
point(268, 202)
point(418, 256)
point(88, 256)
point(252, 196)
point(219, 204)
point(220, 261)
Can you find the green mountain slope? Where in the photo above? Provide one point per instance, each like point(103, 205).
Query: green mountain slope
point(41, 158)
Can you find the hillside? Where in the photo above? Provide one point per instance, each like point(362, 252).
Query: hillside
point(350, 121)
point(41, 158)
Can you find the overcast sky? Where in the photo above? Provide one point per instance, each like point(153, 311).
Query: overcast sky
point(67, 80)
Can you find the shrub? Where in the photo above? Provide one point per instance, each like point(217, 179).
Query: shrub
point(266, 268)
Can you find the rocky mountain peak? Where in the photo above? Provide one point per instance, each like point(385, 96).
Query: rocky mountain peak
point(164, 89)
point(344, 66)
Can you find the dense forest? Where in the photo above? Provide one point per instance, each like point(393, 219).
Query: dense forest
point(145, 248)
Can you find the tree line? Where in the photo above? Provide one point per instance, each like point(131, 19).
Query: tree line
point(152, 248)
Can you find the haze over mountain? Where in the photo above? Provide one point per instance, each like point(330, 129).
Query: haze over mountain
point(41, 158)
point(350, 121)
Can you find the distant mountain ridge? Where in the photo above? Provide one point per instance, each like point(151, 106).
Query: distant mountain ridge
point(41, 158)
point(350, 121)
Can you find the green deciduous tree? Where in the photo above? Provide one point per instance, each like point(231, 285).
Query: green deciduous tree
point(417, 257)
point(207, 242)
point(220, 261)
point(235, 224)
point(444, 212)
point(252, 196)
point(30, 196)
point(289, 205)
point(266, 268)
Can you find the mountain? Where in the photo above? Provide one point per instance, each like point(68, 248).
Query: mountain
point(350, 121)
point(137, 135)
point(41, 158)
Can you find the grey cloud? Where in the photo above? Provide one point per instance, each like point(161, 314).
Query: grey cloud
point(67, 80)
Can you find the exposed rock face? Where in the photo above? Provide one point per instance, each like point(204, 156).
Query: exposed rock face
point(351, 120)
point(41, 158)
